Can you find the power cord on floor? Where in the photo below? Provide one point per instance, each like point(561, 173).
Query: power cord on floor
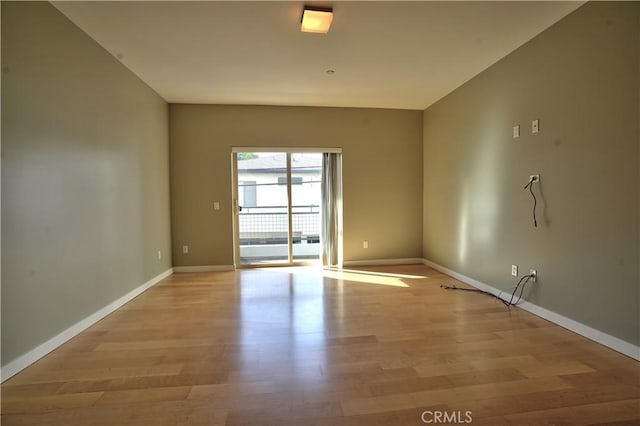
point(475, 290)
point(521, 285)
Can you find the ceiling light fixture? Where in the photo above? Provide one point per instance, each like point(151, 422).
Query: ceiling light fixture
point(316, 19)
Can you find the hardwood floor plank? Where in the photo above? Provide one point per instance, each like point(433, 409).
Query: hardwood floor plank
point(175, 393)
point(378, 404)
point(614, 411)
point(71, 374)
point(50, 402)
point(517, 387)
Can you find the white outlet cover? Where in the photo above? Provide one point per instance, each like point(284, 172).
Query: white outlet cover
point(516, 131)
point(535, 126)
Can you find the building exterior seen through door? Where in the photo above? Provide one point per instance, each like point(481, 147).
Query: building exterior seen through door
point(278, 200)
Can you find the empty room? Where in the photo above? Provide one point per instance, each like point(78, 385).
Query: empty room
point(343, 213)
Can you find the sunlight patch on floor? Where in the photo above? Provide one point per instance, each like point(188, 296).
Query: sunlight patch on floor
point(366, 277)
point(382, 274)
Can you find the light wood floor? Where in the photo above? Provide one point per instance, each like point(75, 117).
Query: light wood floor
point(292, 347)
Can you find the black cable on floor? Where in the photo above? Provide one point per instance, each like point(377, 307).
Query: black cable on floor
point(521, 284)
point(475, 290)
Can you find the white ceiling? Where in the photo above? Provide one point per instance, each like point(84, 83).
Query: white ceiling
point(385, 54)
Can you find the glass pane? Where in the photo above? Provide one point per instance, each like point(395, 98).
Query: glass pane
point(263, 219)
point(305, 201)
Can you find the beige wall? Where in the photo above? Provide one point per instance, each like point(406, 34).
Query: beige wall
point(85, 177)
point(382, 172)
point(581, 79)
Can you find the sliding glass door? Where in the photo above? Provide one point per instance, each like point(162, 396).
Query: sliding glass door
point(277, 206)
point(306, 170)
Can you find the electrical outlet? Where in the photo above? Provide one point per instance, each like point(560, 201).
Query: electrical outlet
point(365, 244)
point(185, 249)
point(216, 205)
point(535, 178)
point(159, 255)
point(514, 270)
point(534, 275)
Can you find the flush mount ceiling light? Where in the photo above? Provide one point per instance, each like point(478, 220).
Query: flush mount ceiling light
point(316, 19)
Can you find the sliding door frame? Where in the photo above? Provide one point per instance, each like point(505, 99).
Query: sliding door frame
point(236, 206)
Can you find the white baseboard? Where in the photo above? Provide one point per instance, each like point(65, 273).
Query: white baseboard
point(598, 336)
point(204, 268)
point(374, 262)
point(22, 362)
